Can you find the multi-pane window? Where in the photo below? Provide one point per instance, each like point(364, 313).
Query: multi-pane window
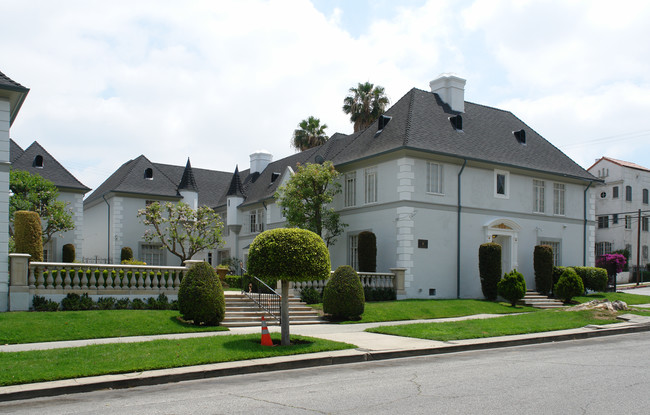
point(558, 199)
point(501, 185)
point(371, 184)
point(628, 193)
point(556, 251)
point(615, 192)
point(434, 178)
point(353, 252)
point(628, 222)
point(644, 252)
point(603, 248)
point(603, 222)
point(256, 220)
point(645, 196)
point(152, 254)
point(538, 196)
point(350, 193)
point(615, 218)
point(644, 223)
point(223, 255)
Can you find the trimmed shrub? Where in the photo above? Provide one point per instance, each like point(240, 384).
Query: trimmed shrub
point(367, 252)
point(106, 303)
point(126, 254)
point(489, 265)
point(543, 264)
point(593, 278)
point(122, 304)
point(234, 281)
point(68, 255)
point(137, 304)
point(379, 294)
point(74, 302)
point(343, 296)
point(310, 295)
point(133, 262)
point(557, 273)
point(41, 304)
point(200, 296)
point(569, 286)
point(28, 234)
point(512, 287)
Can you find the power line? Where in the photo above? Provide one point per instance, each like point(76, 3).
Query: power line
point(617, 137)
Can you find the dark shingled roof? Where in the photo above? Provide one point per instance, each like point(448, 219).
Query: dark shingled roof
point(235, 188)
point(11, 85)
point(51, 169)
point(187, 181)
point(16, 94)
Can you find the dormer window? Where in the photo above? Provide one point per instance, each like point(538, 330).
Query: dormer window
point(457, 122)
point(520, 136)
point(148, 173)
point(38, 162)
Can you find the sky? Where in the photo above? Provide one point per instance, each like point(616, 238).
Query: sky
point(218, 80)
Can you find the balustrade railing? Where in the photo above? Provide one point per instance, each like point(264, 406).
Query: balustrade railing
point(368, 279)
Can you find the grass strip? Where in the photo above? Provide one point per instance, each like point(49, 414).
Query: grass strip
point(69, 363)
point(630, 299)
point(500, 326)
point(31, 327)
point(427, 309)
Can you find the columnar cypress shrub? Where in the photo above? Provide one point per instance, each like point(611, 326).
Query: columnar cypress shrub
point(569, 286)
point(512, 287)
point(489, 265)
point(28, 234)
point(367, 252)
point(126, 254)
point(68, 254)
point(343, 296)
point(200, 296)
point(543, 264)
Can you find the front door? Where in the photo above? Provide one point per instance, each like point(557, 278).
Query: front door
point(505, 241)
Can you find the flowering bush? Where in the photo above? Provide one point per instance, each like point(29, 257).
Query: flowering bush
point(613, 263)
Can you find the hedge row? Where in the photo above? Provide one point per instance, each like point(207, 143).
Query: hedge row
point(75, 302)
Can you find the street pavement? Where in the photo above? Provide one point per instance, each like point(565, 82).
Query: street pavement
point(370, 346)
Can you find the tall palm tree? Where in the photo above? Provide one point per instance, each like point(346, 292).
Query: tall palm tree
point(365, 104)
point(310, 134)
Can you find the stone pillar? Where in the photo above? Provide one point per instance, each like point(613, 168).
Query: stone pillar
point(19, 285)
point(400, 274)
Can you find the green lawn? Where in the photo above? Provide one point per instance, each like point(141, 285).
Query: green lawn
point(630, 299)
point(500, 326)
point(427, 309)
point(47, 365)
point(31, 327)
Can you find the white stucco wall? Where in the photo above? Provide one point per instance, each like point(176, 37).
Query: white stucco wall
point(4, 203)
point(75, 236)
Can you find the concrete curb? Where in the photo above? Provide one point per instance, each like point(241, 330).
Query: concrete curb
point(156, 377)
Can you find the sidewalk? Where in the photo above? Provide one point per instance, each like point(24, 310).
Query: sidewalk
point(370, 346)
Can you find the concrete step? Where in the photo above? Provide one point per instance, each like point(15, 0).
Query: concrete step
point(241, 311)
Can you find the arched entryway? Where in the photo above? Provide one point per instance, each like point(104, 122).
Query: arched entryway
point(504, 232)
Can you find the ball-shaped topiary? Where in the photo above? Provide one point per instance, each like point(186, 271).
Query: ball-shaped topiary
point(68, 254)
point(367, 251)
point(126, 254)
point(343, 296)
point(512, 287)
point(569, 286)
point(489, 265)
point(200, 296)
point(28, 234)
point(543, 265)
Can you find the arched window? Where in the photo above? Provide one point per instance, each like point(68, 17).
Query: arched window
point(645, 196)
point(148, 173)
point(628, 193)
point(38, 162)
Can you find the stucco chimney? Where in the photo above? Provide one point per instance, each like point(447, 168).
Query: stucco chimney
point(259, 161)
point(451, 90)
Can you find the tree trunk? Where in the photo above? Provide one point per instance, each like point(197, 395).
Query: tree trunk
point(284, 314)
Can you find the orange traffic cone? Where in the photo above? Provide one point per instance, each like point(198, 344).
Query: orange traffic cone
point(266, 337)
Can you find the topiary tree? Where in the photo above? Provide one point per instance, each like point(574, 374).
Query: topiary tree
point(512, 287)
point(569, 286)
point(68, 255)
point(126, 254)
point(288, 254)
point(343, 296)
point(367, 252)
point(543, 264)
point(489, 265)
point(28, 234)
point(200, 296)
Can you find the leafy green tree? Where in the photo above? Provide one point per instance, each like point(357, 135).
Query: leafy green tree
point(182, 230)
point(310, 134)
point(365, 104)
point(34, 193)
point(288, 254)
point(305, 200)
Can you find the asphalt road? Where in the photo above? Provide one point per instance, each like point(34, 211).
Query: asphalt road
point(596, 376)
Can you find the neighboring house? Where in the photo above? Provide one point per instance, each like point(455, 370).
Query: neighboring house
point(433, 178)
point(620, 202)
point(36, 160)
point(12, 96)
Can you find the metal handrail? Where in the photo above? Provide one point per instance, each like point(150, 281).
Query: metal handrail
point(269, 301)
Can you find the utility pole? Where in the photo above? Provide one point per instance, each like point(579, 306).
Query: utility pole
point(638, 249)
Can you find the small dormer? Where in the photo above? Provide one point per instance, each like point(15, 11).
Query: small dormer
point(520, 136)
point(148, 173)
point(38, 162)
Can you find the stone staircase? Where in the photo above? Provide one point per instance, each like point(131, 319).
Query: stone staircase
point(537, 300)
point(243, 312)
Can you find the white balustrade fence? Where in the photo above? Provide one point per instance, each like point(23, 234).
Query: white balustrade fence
point(368, 279)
